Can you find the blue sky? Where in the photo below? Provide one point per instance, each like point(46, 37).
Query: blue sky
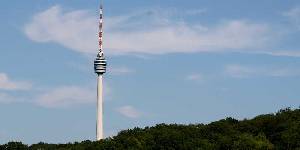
point(170, 61)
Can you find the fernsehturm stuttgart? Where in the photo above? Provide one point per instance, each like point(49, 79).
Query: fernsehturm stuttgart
point(100, 69)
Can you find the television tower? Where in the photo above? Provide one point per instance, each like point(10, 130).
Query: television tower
point(100, 69)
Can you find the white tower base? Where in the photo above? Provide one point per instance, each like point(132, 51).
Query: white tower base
point(99, 129)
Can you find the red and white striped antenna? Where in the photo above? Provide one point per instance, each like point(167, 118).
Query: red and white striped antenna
point(100, 54)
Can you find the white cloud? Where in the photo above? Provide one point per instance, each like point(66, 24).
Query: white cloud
point(70, 96)
point(66, 96)
point(240, 71)
point(120, 70)
point(293, 53)
point(5, 98)
point(7, 84)
point(229, 36)
point(75, 30)
point(129, 111)
point(294, 16)
point(148, 32)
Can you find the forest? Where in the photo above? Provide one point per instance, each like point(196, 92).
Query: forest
point(275, 131)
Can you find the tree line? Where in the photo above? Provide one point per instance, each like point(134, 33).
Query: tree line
point(276, 131)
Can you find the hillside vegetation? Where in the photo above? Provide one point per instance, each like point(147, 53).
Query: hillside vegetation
point(278, 131)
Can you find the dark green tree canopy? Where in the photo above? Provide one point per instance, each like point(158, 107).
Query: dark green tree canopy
point(278, 131)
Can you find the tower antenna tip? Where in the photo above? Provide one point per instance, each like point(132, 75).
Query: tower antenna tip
point(101, 4)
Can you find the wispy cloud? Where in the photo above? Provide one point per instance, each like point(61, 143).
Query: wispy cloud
point(294, 16)
point(120, 70)
point(75, 30)
point(239, 71)
point(148, 32)
point(7, 84)
point(242, 71)
point(294, 53)
point(62, 97)
point(129, 112)
point(59, 97)
point(5, 98)
point(69, 96)
point(195, 77)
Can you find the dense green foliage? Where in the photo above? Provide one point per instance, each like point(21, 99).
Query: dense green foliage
point(279, 131)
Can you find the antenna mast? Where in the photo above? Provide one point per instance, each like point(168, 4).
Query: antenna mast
point(100, 54)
